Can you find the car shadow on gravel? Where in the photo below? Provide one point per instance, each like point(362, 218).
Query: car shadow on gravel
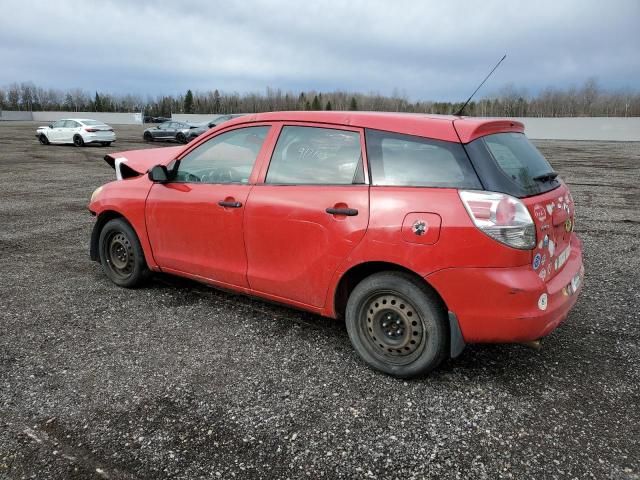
point(500, 362)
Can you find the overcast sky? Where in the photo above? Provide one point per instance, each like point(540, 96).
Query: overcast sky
point(427, 49)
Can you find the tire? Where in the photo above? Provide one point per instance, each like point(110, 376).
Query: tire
point(78, 141)
point(105, 144)
point(181, 138)
point(397, 325)
point(121, 254)
point(147, 137)
point(43, 139)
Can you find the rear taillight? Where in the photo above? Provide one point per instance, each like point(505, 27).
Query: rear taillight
point(502, 217)
point(90, 129)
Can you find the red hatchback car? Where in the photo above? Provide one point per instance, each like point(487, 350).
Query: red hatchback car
point(424, 232)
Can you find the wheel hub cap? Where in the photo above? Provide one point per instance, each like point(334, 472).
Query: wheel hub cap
point(393, 326)
point(120, 254)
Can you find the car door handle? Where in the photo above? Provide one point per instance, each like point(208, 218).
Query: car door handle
point(229, 204)
point(349, 212)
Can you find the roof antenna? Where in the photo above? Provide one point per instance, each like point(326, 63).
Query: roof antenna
point(459, 112)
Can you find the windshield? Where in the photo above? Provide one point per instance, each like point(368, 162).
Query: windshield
point(510, 163)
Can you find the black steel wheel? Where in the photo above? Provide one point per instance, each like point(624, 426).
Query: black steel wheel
point(397, 324)
point(43, 139)
point(78, 141)
point(121, 254)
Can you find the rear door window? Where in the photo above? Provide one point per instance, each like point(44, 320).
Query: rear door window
point(316, 156)
point(407, 160)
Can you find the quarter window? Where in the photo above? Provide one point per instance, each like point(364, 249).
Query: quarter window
point(407, 160)
point(316, 156)
point(226, 158)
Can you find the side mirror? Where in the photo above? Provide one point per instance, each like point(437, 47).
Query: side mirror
point(159, 174)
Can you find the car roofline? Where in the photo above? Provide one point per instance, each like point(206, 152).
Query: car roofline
point(450, 128)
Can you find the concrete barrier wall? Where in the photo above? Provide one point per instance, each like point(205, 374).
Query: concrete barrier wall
point(13, 116)
point(106, 117)
point(194, 117)
point(572, 128)
point(587, 128)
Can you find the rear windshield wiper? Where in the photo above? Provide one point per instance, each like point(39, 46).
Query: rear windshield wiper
point(546, 177)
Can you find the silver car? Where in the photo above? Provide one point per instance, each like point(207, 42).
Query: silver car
point(175, 131)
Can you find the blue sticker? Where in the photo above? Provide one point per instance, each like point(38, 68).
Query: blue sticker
point(537, 260)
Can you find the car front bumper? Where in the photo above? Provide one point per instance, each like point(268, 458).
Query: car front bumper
point(508, 305)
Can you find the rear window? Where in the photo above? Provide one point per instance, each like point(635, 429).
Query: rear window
point(407, 160)
point(517, 159)
point(92, 122)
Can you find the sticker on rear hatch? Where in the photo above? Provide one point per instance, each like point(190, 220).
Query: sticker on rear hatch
point(563, 257)
point(540, 213)
point(537, 260)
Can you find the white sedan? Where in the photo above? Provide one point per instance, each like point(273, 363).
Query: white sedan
point(78, 131)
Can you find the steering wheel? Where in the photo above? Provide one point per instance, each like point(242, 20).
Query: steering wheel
point(191, 178)
point(221, 175)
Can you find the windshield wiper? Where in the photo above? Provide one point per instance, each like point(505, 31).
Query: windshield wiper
point(546, 177)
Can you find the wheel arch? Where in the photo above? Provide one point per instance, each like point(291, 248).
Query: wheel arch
point(101, 220)
point(359, 272)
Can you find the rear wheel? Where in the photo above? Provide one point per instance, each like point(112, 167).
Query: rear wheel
point(396, 324)
point(105, 144)
point(121, 254)
point(43, 139)
point(78, 141)
point(147, 137)
point(181, 137)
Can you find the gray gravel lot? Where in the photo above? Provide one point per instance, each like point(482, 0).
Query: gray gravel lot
point(177, 380)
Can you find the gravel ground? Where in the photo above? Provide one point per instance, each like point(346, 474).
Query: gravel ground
point(178, 380)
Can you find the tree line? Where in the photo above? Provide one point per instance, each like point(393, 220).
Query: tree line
point(586, 100)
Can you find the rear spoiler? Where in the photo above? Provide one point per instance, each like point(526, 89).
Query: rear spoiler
point(469, 129)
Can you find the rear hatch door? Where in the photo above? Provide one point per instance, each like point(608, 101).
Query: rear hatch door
point(553, 213)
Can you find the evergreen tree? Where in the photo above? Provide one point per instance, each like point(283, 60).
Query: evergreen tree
point(353, 105)
point(307, 105)
point(315, 105)
point(98, 103)
point(328, 107)
point(216, 101)
point(188, 102)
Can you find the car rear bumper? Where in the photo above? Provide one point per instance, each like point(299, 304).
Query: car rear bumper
point(99, 137)
point(504, 305)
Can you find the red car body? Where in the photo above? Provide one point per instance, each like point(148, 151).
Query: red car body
point(282, 245)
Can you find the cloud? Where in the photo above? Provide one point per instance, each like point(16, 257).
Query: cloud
point(430, 50)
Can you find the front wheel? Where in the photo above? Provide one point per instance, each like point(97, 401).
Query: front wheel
point(147, 137)
point(181, 138)
point(121, 254)
point(43, 139)
point(78, 141)
point(397, 325)
point(105, 144)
